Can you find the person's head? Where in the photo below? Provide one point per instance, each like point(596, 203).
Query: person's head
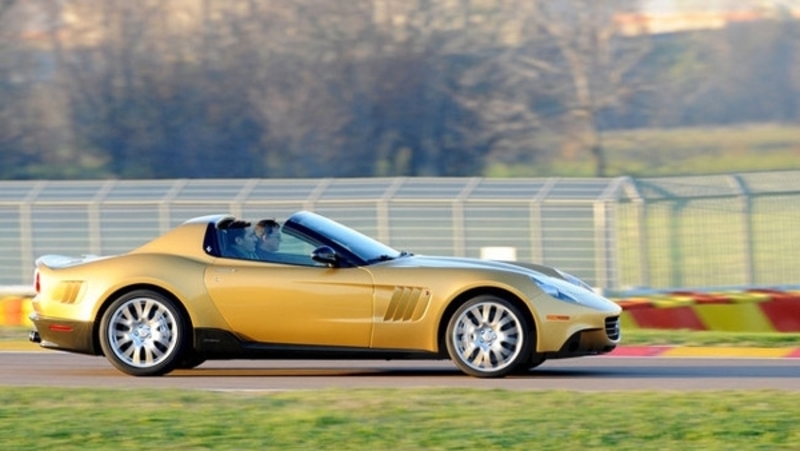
point(268, 233)
point(243, 238)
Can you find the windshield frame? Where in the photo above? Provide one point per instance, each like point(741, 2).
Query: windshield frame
point(358, 249)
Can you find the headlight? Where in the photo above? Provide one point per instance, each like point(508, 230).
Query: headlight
point(554, 291)
point(574, 280)
point(573, 291)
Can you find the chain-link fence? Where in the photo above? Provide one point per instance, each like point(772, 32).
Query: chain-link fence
point(618, 234)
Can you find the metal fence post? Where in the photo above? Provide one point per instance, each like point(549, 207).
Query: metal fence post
point(164, 222)
point(26, 228)
point(747, 228)
point(537, 239)
point(93, 217)
point(382, 209)
point(459, 222)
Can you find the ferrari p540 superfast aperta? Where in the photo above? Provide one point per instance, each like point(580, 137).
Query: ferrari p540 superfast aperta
point(200, 292)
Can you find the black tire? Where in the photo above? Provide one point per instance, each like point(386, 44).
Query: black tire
point(488, 337)
point(143, 333)
point(534, 359)
point(190, 360)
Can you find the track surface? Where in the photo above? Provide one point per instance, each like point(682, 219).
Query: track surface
point(605, 373)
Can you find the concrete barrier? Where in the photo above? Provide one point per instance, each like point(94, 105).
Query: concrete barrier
point(15, 310)
point(756, 310)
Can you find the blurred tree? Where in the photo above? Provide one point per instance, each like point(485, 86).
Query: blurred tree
point(409, 81)
point(586, 64)
point(10, 135)
point(363, 88)
point(12, 149)
point(301, 91)
point(754, 70)
point(156, 99)
point(414, 122)
point(308, 88)
point(32, 130)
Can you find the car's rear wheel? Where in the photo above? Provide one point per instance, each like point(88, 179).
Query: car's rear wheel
point(488, 337)
point(142, 333)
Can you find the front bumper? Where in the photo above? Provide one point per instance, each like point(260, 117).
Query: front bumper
point(590, 342)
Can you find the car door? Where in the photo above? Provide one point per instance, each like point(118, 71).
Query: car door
point(310, 305)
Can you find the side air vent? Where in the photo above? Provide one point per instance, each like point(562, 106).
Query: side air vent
point(407, 304)
point(68, 291)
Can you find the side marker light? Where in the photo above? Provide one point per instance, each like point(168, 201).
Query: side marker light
point(557, 317)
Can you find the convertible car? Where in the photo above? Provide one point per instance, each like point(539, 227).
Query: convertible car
point(329, 292)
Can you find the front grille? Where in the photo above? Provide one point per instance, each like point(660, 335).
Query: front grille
point(612, 327)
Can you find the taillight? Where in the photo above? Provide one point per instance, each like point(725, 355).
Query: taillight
point(37, 285)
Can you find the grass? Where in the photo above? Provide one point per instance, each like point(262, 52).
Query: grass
point(39, 418)
point(410, 419)
point(709, 338)
point(704, 150)
point(14, 333)
point(668, 152)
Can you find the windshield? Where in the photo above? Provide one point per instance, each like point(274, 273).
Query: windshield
point(365, 248)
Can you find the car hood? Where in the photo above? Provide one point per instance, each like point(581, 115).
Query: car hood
point(423, 261)
point(583, 294)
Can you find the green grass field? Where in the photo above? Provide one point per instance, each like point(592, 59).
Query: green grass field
point(710, 338)
point(676, 151)
point(413, 419)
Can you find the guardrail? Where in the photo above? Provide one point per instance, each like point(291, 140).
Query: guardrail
point(618, 234)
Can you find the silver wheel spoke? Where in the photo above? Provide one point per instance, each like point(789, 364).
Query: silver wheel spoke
point(163, 340)
point(136, 355)
point(138, 310)
point(479, 359)
point(123, 340)
point(129, 350)
point(502, 322)
point(151, 354)
point(511, 341)
point(483, 314)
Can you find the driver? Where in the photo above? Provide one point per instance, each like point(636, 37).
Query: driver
point(242, 243)
point(268, 235)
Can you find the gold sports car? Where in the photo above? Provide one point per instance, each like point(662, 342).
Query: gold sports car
point(329, 292)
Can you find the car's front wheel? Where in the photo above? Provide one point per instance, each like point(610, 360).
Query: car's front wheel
point(190, 360)
point(534, 359)
point(142, 333)
point(488, 337)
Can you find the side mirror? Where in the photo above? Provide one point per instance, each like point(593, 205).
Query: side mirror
point(326, 255)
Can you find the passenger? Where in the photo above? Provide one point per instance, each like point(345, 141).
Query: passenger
point(268, 234)
point(241, 243)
